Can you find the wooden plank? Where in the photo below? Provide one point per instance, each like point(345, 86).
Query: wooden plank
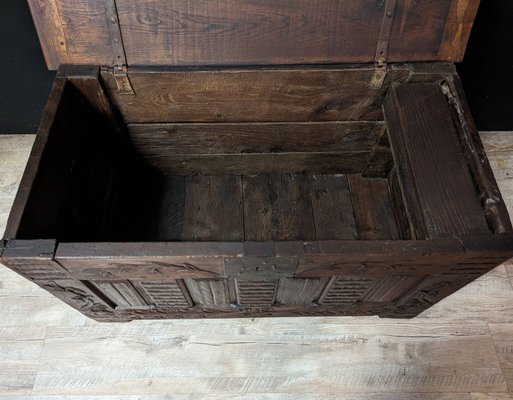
point(436, 184)
point(266, 163)
point(46, 128)
point(332, 207)
point(209, 292)
point(122, 294)
point(252, 95)
point(450, 359)
point(373, 209)
point(21, 349)
point(418, 29)
point(234, 32)
point(166, 294)
point(404, 227)
point(50, 30)
point(345, 290)
point(213, 208)
point(255, 293)
point(244, 32)
point(299, 291)
point(285, 137)
point(283, 396)
point(498, 147)
point(87, 35)
point(145, 261)
point(501, 334)
point(391, 288)
point(457, 29)
point(380, 161)
point(277, 207)
point(495, 208)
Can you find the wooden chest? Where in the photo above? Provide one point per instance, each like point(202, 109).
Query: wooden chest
point(244, 158)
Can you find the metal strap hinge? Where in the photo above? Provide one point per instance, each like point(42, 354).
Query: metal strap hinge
point(119, 61)
point(380, 73)
point(381, 56)
point(122, 80)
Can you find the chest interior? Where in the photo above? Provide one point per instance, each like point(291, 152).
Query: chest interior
point(255, 158)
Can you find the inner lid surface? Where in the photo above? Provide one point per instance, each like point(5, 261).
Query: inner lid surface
point(251, 32)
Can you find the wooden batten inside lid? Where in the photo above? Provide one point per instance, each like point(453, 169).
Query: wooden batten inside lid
point(251, 32)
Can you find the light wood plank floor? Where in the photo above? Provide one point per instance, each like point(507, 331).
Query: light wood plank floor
point(461, 349)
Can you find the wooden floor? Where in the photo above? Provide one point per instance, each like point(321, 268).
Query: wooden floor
point(461, 348)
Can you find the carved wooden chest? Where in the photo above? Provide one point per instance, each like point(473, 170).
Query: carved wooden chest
point(239, 158)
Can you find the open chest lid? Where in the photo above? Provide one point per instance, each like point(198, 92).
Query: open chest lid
point(251, 32)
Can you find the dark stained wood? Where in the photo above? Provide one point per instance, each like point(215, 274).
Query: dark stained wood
point(293, 94)
point(167, 294)
point(299, 291)
point(256, 293)
point(494, 206)
point(240, 179)
point(418, 30)
point(200, 32)
point(403, 224)
point(266, 163)
point(51, 116)
point(373, 209)
point(158, 140)
point(391, 288)
point(72, 32)
point(277, 207)
point(332, 207)
point(210, 292)
point(33, 259)
point(122, 294)
point(457, 29)
point(160, 204)
point(439, 194)
point(50, 30)
point(214, 208)
point(245, 32)
point(380, 161)
point(345, 291)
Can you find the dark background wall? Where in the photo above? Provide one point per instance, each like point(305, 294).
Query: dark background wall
point(487, 71)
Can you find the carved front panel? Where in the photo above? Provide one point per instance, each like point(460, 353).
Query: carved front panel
point(257, 294)
point(346, 291)
point(166, 294)
point(122, 294)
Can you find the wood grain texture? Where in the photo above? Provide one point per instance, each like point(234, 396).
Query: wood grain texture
point(500, 155)
point(265, 163)
point(332, 207)
point(495, 209)
point(445, 362)
point(418, 30)
point(49, 118)
point(243, 138)
point(457, 29)
point(21, 349)
point(86, 31)
point(277, 207)
point(214, 208)
point(501, 334)
point(275, 94)
point(245, 32)
point(373, 208)
point(51, 33)
point(351, 355)
point(158, 32)
point(424, 144)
